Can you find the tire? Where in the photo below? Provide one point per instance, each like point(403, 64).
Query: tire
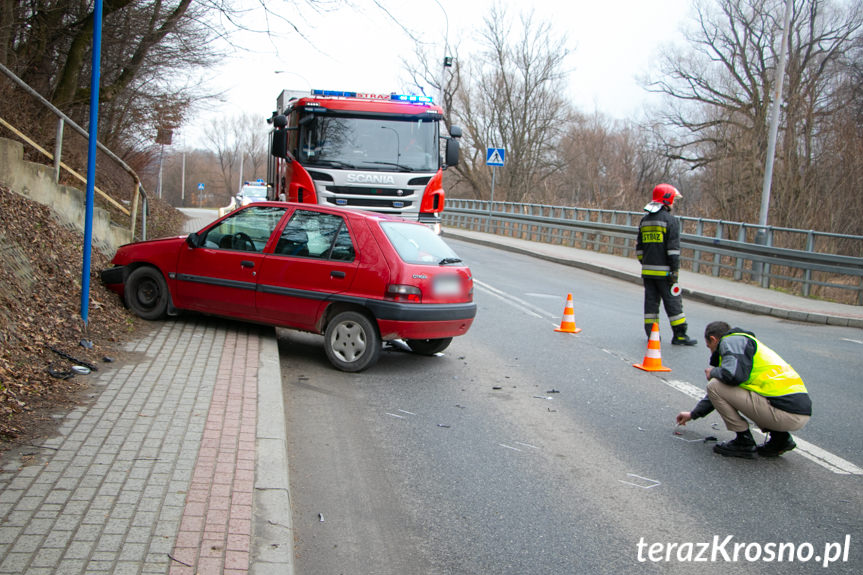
point(352, 342)
point(146, 293)
point(429, 346)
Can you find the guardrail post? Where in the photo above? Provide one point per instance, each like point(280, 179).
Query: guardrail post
point(716, 257)
point(807, 275)
point(696, 254)
point(741, 237)
point(765, 268)
point(58, 150)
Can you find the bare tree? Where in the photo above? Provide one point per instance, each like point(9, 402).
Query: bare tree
point(233, 141)
point(720, 87)
point(510, 97)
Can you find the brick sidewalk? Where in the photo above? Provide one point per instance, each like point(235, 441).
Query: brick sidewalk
point(160, 466)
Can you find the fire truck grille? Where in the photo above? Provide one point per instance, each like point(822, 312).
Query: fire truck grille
point(380, 192)
point(371, 203)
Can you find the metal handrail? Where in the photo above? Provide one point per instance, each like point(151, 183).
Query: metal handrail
point(63, 119)
point(615, 231)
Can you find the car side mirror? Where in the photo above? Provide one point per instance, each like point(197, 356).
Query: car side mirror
point(193, 240)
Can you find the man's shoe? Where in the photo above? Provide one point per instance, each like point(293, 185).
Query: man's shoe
point(683, 340)
point(736, 448)
point(779, 443)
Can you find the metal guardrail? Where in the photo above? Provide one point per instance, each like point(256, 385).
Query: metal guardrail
point(56, 156)
point(807, 262)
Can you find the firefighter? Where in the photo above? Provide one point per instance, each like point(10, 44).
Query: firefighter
point(658, 250)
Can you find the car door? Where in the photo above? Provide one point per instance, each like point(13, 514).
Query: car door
point(220, 277)
point(313, 259)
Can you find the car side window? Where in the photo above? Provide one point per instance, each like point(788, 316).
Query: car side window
point(245, 230)
point(316, 235)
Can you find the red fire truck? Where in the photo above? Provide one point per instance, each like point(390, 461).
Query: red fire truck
point(364, 151)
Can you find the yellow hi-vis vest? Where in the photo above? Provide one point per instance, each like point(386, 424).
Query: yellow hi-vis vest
point(771, 376)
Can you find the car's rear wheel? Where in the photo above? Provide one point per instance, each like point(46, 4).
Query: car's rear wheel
point(352, 342)
point(146, 293)
point(429, 346)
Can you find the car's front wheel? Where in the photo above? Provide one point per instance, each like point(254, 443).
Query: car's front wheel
point(352, 342)
point(429, 346)
point(146, 293)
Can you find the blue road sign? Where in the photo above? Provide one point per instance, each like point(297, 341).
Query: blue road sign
point(495, 156)
point(201, 186)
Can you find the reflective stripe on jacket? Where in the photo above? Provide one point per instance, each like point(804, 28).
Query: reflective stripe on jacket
point(658, 244)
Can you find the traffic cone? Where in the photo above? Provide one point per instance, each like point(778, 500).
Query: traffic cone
point(653, 359)
point(567, 325)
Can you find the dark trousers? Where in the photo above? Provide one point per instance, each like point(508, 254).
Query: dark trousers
point(658, 290)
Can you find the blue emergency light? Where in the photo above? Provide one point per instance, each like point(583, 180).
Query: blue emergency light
point(395, 97)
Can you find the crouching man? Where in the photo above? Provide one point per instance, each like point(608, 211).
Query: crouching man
point(747, 377)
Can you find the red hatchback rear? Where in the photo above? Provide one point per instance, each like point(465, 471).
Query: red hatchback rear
point(357, 278)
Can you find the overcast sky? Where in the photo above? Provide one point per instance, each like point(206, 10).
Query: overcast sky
point(360, 49)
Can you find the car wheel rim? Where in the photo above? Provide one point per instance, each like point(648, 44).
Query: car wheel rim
point(348, 341)
point(147, 294)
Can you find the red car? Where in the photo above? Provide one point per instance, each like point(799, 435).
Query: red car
point(356, 277)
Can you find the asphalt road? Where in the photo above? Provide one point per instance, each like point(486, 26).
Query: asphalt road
point(523, 450)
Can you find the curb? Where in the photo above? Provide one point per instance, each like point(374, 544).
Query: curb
point(272, 549)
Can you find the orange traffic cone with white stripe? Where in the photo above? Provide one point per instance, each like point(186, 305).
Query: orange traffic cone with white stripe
point(653, 360)
point(567, 325)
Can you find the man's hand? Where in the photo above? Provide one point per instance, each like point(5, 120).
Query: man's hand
point(672, 278)
point(683, 417)
point(707, 373)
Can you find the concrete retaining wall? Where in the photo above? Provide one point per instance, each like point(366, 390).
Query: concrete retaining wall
point(36, 182)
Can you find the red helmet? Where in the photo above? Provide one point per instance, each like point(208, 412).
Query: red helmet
point(665, 194)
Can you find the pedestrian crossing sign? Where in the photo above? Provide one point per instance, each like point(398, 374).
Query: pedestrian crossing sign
point(495, 156)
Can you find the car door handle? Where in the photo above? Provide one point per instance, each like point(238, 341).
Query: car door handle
point(247, 264)
point(337, 274)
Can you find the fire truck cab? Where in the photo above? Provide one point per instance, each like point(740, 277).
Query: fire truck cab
point(372, 152)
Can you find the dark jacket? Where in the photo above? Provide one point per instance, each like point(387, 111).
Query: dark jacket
point(658, 244)
point(732, 365)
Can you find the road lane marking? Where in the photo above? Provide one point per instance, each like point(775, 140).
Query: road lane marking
point(653, 481)
point(811, 452)
point(517, 303)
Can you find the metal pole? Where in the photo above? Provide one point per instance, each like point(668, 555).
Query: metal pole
point(774, 120)
point(161, 157)
point(58, 150)
point(183, 182)
point(91, 160)
point(491, 200)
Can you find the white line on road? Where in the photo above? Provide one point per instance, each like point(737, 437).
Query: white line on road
point(517, 303)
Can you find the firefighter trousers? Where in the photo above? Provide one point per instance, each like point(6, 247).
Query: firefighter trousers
point(658, 290)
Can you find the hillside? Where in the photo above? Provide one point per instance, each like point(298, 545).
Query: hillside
point(40, 316)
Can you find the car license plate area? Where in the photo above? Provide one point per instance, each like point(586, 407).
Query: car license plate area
point(446, 286)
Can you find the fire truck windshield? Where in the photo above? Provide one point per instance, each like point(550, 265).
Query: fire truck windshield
point(369, 143)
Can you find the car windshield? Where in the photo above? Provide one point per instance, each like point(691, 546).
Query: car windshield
point(418, 244)
point(369, 143)
point(257, 192)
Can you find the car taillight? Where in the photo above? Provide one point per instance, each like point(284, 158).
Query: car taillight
point(406, 293)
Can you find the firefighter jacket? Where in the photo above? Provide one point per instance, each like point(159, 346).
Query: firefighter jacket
point(742, 360)
point(658, 244)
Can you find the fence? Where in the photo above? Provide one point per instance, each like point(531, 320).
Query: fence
point(123, 199)
point(805, 262)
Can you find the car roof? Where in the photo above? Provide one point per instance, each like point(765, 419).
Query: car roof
point(350, 213)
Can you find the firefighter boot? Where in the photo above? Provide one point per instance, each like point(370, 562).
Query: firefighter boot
point(680, 337)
